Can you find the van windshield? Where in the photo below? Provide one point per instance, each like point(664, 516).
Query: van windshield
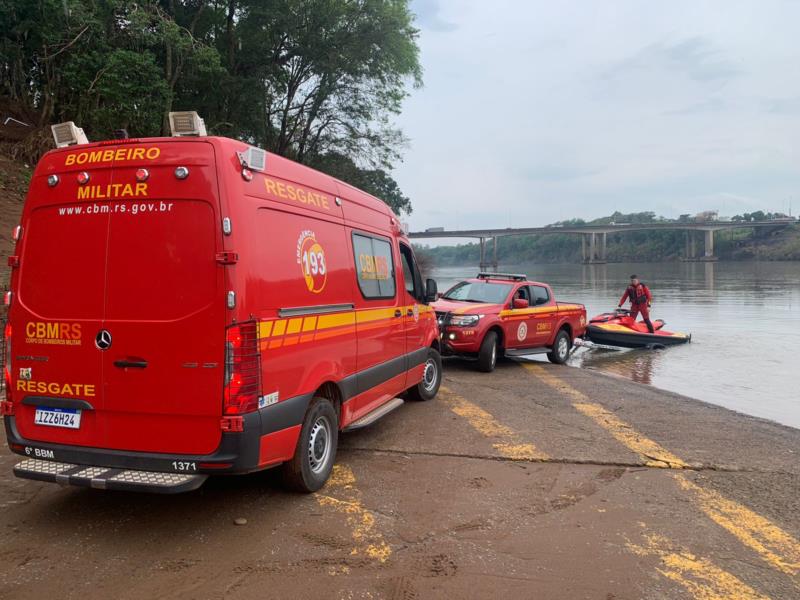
point(473, 291)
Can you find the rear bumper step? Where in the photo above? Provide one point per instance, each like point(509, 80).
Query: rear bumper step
point(105, 478)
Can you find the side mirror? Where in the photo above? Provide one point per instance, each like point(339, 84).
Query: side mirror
point(431, 290)
point(520, 303)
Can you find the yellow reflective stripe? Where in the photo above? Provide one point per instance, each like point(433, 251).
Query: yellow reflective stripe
point(375, 314)
point(294, 325)
point(518, 312)
point(336, 320)
point(279, 328)
point(264, 329)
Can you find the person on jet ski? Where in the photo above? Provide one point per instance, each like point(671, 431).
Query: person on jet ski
point(641, 299)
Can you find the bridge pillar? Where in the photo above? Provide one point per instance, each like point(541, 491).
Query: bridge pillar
point(709, 254)
point(603, 240)
point(592, 247)
point(484, 262)
point(584, 256)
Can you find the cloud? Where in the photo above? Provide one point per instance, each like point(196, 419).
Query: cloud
point(694, 57)
point(712, 105)
point(428, 16)
point(535, 112)
point(783, 106)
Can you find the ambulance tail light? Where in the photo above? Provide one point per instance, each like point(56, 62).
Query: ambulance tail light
point(242, 369)
point(7, 360)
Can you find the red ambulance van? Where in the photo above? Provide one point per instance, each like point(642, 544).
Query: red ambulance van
point(188, 306)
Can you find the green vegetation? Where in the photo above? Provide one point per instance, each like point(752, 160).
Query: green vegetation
point(317, 81)
point(636, 246)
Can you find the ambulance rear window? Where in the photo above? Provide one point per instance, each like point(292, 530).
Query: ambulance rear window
point(374, 266)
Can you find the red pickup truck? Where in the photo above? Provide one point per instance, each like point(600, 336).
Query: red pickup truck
point(505, 314)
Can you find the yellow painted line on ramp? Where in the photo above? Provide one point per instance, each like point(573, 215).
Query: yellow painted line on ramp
point(651, 452)
point(774, 545)
point(699, 576)
point(342, 495)
point(506, 441)
point(777, 547)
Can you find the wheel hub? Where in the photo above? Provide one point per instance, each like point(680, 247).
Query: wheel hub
point(429, 375)
point(319, 445)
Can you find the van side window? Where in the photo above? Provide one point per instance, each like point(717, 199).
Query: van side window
point(540, 295)
point(411, 272)
point(374, 266)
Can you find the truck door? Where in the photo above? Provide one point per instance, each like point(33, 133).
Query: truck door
point(164, 306)
point(544, 314)
point(57, 313)
point(416, 319)
point(520, 332)
point(163, 367)
point(380, 325)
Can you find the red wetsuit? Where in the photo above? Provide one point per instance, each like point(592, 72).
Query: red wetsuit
point(640, 298)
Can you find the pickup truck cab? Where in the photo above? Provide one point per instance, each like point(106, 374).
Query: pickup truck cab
point(498, 314)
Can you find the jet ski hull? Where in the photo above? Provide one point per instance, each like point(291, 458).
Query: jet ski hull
point(610, 334)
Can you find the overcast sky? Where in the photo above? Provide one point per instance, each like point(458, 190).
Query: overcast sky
point(538, 111)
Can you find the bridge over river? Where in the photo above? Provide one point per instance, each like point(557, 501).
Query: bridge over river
point(594, 237)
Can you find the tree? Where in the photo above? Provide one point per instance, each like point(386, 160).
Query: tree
point(317, 81)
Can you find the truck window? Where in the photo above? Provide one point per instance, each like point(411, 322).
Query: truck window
point(411, 272)
point(540, 295)
point(374, 266)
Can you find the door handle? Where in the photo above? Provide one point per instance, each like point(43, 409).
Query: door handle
point(130, 364)
point(398, 313)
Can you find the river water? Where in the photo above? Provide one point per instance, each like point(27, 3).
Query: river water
point(744, 318)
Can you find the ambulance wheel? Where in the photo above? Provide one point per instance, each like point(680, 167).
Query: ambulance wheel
point(487, 355)
point(561, 347)
point(431, 378)
point(315, 454)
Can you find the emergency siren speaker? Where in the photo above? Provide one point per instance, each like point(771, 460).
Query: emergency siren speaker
point(67, 134)
point(186, 123)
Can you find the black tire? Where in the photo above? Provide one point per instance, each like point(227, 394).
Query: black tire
point(428, 387)
point(487, 355)
point(561, 348)
point(314, 456)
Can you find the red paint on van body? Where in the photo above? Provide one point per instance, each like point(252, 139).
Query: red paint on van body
point(150, 265)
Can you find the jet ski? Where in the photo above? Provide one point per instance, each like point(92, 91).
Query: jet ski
point(618, 328)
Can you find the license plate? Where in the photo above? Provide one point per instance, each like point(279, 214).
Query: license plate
point(58, 417)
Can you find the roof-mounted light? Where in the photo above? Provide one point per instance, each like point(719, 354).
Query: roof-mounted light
point(186, 123)
point(67, 134)
point(254, 159)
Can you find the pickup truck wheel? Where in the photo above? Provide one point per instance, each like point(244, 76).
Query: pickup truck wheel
point(561, 347)
point(315, 454)
point(487, 355)
point(428, 387)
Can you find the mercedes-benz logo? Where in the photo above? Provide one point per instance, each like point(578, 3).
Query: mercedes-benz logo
point(103, 339)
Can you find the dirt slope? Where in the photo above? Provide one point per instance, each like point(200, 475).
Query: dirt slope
point(14, 177)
